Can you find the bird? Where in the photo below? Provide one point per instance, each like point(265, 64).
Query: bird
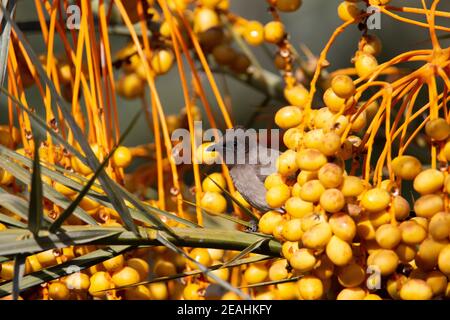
point(249, 163)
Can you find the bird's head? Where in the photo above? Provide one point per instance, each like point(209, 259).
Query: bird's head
point(235, 143)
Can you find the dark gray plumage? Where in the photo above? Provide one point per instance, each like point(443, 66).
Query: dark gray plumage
point(249, 163)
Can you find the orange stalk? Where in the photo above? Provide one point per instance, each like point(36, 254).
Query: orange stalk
point(370, 135)
point(201, 92)
point(410, 21)
point(187, 101)
point(108, 73)
point(431, 22)
point(14, 73)
point(411, 103)
point(159, 156)
point(207, 70)
point(152, 85)
point(415, 133)
point(418, 11)
point(434, 114)
point(91, 64)
point(12, 87)
point(156, 125)
point(96, 66)
point(406, 56)
point(47, 99)
point(320, 63)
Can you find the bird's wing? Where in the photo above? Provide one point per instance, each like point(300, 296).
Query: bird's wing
point(250, 186)
point(269, 165)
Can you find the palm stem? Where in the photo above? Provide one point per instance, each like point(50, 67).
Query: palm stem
point(198, 237)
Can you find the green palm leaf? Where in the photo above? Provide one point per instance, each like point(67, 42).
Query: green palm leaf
point(21, 174)
point(11, 222)
point(59, 199)
point(58, 174)
point(68, 212)
point(246, 251)
point(91, 160)
point(270, 283)
point(35, 210)
point(18, 241)
point(19, 270)
point(14, 203)
point(4, 38)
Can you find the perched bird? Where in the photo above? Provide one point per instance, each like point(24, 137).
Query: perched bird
point(249, 163)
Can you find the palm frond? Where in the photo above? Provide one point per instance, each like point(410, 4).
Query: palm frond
point(145, 213)
point(53, 171)
point(270, 283)
point(40, 124)
point(35, 210)
point(18, 241)
point(19, 270)
point(58, 175)
point(15, 204)
point(68, 212)
point(11, 221)
point(91, 160)
point(56, 197)
point(246, 251)
point(4, 38)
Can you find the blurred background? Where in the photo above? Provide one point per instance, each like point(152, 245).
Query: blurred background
point(312, 26)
